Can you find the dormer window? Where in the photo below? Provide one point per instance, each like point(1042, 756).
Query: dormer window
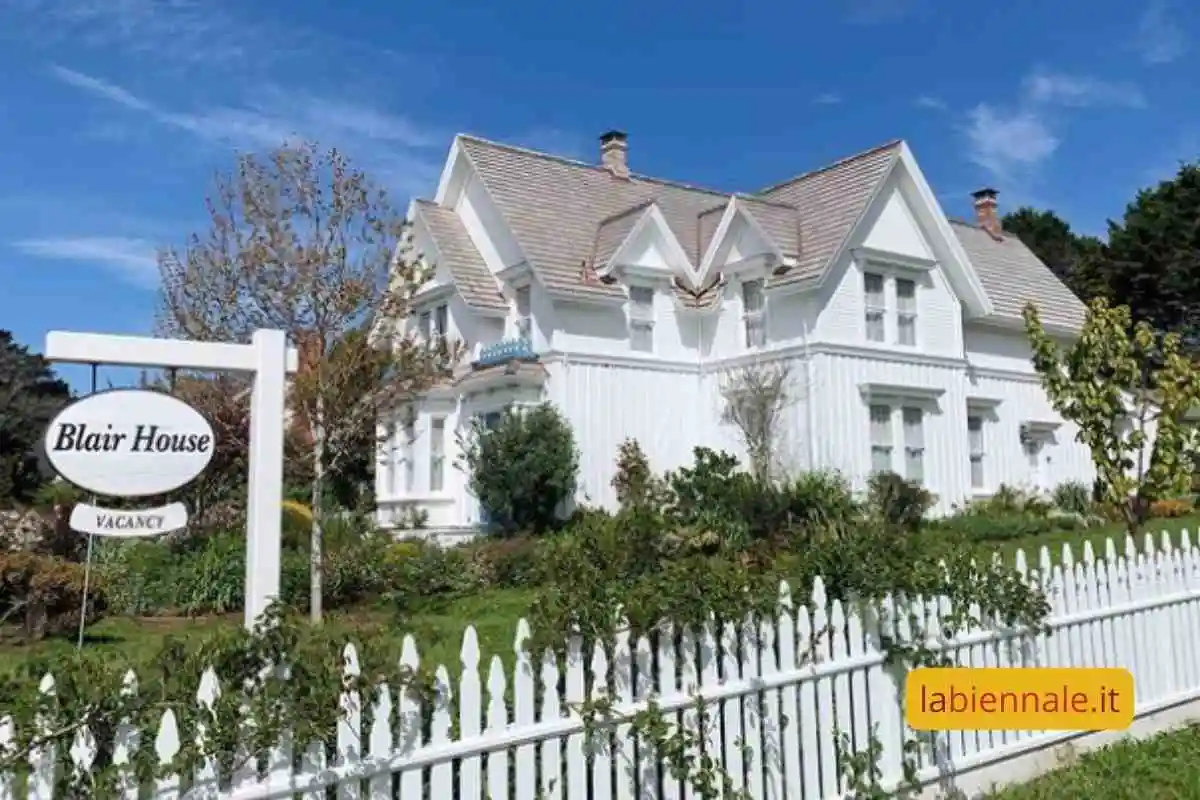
point(641, 318)
point(524, 315)
point(754, 313)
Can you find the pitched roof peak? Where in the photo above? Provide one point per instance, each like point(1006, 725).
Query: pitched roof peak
point(574, 162)
point(894, 143)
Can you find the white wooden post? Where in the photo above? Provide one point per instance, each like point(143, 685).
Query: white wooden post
point(270, 360)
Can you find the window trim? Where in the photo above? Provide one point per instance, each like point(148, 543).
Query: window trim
point(437, 455)
point(872, 311)
point(754, 320)
point(890, 446)
point(909, 450)
point(638, 321)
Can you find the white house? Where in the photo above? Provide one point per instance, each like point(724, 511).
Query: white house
point(624, 299)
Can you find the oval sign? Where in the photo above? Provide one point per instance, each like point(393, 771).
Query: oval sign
point(129, 443)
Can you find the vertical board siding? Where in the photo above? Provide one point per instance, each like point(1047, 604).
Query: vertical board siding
point(778, 696)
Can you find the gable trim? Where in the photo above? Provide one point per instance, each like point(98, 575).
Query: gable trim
point(677, 257)
point(732, 212)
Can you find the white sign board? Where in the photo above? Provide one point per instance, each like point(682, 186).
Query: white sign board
point(128, 524)
point(129, 443)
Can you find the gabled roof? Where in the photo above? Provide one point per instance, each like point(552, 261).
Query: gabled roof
point(554, 207)
point(458, 254)
point(1013, 276)
point(830, 201)
point(569, 218)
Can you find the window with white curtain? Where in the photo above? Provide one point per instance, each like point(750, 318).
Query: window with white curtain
point(641, 318)
point(914, 445)
point(524, 315)
point(875, 305)
point(975, 446)
point(753, 313)
point(906, 311)
point(437, 453)
point(881, 439)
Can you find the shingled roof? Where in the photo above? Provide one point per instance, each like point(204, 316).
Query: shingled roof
point(570, 217)
point(459, 255)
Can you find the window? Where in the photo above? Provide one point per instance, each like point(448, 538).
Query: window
point(441, 321)
point(914, 445)
point(975, 446)
point(410, 446)
point(437, 453)
point(906, 311)
point(391, 445)
point(425, 325)
point(881, 439)
point(641, 318)
point(875, 306)
point(524, 317)
point(753, 306)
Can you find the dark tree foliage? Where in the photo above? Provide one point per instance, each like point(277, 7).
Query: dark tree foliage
point(30, 396)
point(1073, 258)
point(1152, 261)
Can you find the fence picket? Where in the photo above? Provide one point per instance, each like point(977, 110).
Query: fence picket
point(772, 692)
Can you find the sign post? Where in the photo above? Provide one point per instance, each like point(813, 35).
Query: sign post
point(106, 448)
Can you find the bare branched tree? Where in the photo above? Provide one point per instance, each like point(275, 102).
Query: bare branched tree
point(301, 241)
point(756, 396)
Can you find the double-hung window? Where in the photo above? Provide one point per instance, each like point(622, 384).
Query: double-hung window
point(753, 313)
point(393, 454)
point(881, 439)
point(641, 318)
point(975, 446)
point(410, 447)
point(441, 322)
point(914, 444)
point(876, 306)
point(906, 311)
point(437, 454)
point(425, 325)
point(524, 315)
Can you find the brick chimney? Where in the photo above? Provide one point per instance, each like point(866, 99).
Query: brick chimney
point(985, 211)
point(614, 153)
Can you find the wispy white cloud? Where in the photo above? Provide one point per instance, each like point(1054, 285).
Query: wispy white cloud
point(1006, 143)
point(1159, 38)
point(379, 140)
point(1081, 91)
point(930, 102)
point(828, 99)
point(1014, 141)
point(134, 261)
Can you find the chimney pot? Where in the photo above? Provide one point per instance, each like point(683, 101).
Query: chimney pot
point(614, 153)
point(985, 211)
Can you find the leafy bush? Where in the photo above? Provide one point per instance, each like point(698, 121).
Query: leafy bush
point(505, 563)
point(1073, 497)
point(1171, 508)
point(432, 574)
point(524, 469)
point(820, 501)
point(1011, 500)
point(45, 593)
point(897, 502)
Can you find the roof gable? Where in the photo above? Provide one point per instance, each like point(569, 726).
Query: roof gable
point(457, 254)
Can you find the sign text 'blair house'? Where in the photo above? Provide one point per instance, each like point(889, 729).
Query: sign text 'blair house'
point(129, 443)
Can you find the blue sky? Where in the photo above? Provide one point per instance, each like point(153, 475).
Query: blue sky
point(119, 111)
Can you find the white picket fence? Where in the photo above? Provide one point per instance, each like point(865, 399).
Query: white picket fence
point(775, 712)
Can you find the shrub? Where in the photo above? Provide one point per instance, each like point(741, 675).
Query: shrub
point(634, 482)
point(505, 563)
point(1171, 508)
point(1011, 500)
point(524, 469)
point(45, 593)
point(433, 574)
point(897, 502)
point(821, 501)
point(1073, 497)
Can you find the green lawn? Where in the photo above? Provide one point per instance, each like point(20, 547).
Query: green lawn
point(438, 632)
point(1097, 536)
point(1166, 767)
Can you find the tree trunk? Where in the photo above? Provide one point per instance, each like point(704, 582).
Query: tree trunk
point(316, 533)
